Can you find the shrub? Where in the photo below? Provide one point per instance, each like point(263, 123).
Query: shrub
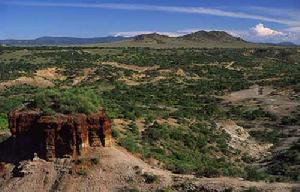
point(130, 144)
point(95, 160)
point(75, 100)
point(253, 174)
point(80, 161)
point(3, 121)
point(133, 128)
point(82, 172)
point(286, 120)
point(150, 178)
point(115, 133)
point(266, 136)
point(255, 114)
point(247, 158)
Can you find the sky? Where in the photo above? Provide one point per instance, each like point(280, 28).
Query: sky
point(253, 20)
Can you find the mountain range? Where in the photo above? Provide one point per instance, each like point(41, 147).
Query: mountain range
point(61, 41)
point(196, 39)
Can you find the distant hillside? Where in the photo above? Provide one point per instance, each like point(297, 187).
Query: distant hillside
point(198, 39)
point(286, 43)
point(153, 37)
point(217, 36)
point(61, 41)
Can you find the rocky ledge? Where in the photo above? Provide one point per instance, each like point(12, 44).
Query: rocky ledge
point(57, 136)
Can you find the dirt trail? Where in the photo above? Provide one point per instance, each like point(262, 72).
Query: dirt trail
point(130, 67)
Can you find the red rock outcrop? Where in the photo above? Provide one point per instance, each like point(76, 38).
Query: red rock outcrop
point(57, 136)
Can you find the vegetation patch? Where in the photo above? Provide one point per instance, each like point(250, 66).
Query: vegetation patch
point(76, 100)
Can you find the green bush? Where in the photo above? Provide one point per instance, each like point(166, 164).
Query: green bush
point(75, 100)
point(255, 114)
point(95, 160)
point(247, 158)
point(133, 128)
point(130, 144)
point(115, 133)
point(287, 120)
point(3, 121)
point(80, 161)
point(285, 163)
point(253, 174)
point(82, 172)
point(266, 135)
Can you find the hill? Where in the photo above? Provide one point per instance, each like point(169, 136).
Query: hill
point(218, 36)
point(41, 41)
point(286, 43)
point(200, 39)
point(152, 37)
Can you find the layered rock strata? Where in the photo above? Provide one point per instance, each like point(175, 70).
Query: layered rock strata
point(57, 136)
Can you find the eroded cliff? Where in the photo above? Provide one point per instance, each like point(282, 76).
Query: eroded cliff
point(57, 136)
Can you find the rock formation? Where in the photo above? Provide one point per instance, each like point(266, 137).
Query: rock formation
point(57, 136)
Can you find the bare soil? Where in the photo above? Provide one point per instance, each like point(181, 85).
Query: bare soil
point(117, 170)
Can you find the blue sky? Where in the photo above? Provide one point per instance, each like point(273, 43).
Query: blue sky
point(254, 20)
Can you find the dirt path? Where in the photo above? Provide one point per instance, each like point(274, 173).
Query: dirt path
point(130, 67)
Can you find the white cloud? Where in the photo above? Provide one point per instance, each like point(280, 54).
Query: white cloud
point(177, 9)
point(261, 33)
point(261, 30)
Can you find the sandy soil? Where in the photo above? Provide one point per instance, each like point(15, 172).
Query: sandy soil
point(273, 101)
point(42, 78)
point(118, 169)
point(86, 72)
point(242, 141)
point(34, 81)
point(130, 67)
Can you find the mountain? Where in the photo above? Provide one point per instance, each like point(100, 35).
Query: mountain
point(153, 37)
point(208, 39)
point(286, 43)
point(217, 36)
point(61, 41)
point(200, 39)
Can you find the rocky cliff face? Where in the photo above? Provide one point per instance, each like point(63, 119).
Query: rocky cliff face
point(57, 136)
